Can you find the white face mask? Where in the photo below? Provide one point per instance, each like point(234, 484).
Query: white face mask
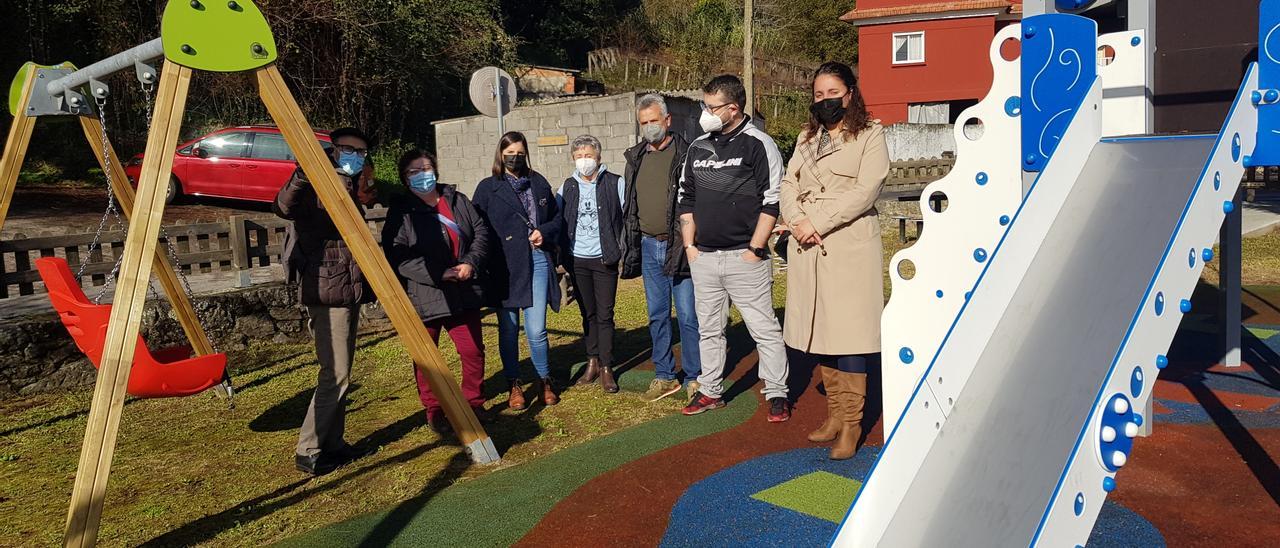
point(710, 123)
point(586, 166)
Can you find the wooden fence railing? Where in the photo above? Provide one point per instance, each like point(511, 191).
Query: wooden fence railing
point(246, 242)
point(909, 174)
point(240, 243)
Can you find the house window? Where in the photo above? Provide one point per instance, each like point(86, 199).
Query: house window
point(908, 47)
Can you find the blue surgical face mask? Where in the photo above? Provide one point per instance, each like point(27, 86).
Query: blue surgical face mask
point(422, 182)
point(350, 163)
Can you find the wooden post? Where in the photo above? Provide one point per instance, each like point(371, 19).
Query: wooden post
point(240, 251)
point(391, 295)
point(164, 270)
point(98, 449)
point(15, 149)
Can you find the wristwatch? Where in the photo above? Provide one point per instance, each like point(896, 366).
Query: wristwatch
point(761, 252)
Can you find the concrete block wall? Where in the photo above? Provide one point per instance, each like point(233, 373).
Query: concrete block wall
point(466, 146)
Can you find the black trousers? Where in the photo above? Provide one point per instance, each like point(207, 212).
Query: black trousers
point(853, 363)
point(596, 285)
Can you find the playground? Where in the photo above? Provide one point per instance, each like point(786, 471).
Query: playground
point(599, 469)
point(1082, 347)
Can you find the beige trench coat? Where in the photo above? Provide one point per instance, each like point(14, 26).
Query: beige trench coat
point(835, 293)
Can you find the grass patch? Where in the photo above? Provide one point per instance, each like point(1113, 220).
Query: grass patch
point(190, 471)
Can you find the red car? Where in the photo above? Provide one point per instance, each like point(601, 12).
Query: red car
point(242, 163)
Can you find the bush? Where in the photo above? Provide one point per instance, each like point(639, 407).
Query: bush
point(386, 177)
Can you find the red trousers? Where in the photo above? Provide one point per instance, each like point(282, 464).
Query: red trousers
point(464, 329)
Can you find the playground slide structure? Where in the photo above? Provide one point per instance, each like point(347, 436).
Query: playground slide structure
point(1024, 337)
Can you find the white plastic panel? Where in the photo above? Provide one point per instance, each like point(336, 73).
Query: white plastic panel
point(984, 185)
point(882, 512)
point(1154, 324)
point(1122, 67)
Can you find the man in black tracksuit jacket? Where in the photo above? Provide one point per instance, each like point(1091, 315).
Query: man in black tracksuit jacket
point(728, 207)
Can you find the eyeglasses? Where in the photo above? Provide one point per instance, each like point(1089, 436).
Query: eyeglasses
point(710, 108)
point(348, 149)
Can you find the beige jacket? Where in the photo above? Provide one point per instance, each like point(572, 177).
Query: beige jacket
point(835, 292)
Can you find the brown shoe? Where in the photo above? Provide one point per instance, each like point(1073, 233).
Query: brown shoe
point(853, 392)
point(549, 396)
point(831, 426)
point(592, 372)
point(606, 380)
point(515, 400)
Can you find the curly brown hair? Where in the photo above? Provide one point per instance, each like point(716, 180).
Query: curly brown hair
point(856, 118)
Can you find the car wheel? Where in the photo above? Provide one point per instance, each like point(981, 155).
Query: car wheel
point(174, 192)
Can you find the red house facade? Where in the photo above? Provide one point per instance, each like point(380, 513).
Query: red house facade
point(923, 61)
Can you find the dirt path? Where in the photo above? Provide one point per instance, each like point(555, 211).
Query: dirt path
point(57, 210)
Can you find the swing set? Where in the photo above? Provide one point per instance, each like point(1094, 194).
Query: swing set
point(213, 36)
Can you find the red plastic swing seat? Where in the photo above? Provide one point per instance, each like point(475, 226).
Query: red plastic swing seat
point(167, 373)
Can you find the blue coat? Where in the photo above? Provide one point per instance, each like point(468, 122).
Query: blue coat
point(511, 272)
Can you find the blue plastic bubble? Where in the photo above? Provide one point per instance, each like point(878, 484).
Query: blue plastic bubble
point(1030, 159)
point(1255, 97)
point(939, 293)
point(981, 179)
point(980, 255)
point(1004, 220)
point(1162, 361)
point(1207, 255)
point(1030, 31)
point(1228, 207)
point(1108, 484)
point(967, 294)
point(1184, 306)
point(1135, 41)
point(906, 355)
point(1272, 95)
point(1159, 303)
point(1013, 106)
point(1137, 419)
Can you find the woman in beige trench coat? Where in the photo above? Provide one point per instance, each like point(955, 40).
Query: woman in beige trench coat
point(834, 264)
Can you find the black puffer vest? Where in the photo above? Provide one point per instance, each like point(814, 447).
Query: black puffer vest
point(609, 213)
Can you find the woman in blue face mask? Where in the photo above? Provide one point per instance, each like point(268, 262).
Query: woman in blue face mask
point(437, 242)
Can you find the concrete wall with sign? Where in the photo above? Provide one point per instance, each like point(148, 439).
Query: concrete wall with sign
point(466, 146)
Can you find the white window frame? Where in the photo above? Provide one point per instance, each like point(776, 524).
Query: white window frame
point(907, 36)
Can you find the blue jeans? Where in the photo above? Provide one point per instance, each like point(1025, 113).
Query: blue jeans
point(535, 325)
point(660, 290)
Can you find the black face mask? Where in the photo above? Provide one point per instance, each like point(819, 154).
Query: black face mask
point(828, 111)
point(515, 163)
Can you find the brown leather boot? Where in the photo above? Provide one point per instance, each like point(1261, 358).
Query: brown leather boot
point(549, 396)
point(831, 426)
point(853, 393)
point(515, 400)
point(592, 372)
point(607, 381)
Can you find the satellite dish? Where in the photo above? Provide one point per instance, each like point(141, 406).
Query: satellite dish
point(483, 91)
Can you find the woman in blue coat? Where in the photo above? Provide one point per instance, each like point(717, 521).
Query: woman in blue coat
point(526, 221)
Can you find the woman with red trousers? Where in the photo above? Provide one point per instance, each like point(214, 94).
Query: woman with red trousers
point(437, 242)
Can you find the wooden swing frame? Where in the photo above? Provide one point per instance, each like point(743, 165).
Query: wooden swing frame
point(145, 211)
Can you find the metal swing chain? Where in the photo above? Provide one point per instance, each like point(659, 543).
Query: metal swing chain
point(111, 212)
point(169, 245)
point(172, 249)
